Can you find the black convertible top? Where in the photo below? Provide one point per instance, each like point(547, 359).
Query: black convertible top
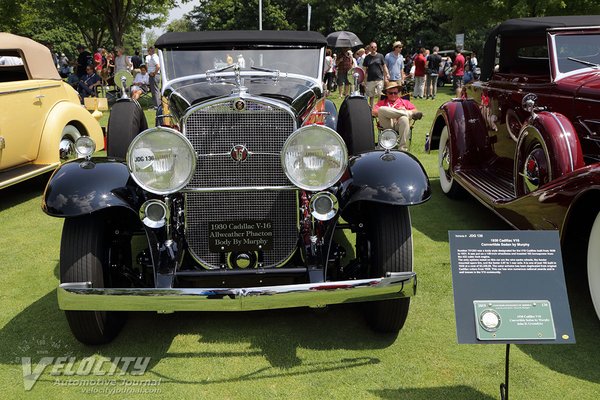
point(541, 24)
point(528, 27)
point(212, 39)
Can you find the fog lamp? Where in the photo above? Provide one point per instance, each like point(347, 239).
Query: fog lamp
point(153, 214)
point(323, 206)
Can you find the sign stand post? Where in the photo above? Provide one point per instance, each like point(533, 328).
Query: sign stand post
point(504, 385)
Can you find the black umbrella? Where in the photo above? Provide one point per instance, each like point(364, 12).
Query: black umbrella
point(343, 39)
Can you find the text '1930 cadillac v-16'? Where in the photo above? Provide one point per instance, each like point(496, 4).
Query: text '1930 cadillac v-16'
point(252, 193)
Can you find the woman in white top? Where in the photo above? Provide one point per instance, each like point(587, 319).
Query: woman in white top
point(140, 83)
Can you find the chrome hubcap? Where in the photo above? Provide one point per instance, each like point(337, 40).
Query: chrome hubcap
point(67, 149)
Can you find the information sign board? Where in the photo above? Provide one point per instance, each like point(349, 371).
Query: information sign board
point(509, 287)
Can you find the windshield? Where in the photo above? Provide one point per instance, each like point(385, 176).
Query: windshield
point(180, 63)
point(577, 51)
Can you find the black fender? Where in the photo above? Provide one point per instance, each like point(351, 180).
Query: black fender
point(83, 186)
point(467, 129)
point(393, 177)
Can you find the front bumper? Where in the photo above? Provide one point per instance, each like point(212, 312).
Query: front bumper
point(80, 296)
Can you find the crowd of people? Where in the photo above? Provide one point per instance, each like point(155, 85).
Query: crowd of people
point(418, 73)
point(390, 76)
point(87, 72)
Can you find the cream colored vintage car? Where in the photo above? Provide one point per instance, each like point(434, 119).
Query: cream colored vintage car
point(40, 115)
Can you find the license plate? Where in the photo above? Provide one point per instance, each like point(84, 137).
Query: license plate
point(248, 235)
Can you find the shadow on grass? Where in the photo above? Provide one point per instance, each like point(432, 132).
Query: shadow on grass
point(445, 392)
point(441, 214)
point(580, 359)
point(41, 330)
point(24, 191)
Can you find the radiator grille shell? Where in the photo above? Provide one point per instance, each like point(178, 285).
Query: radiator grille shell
point(223, 189)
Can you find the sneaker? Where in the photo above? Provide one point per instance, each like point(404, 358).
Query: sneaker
point(417, 115)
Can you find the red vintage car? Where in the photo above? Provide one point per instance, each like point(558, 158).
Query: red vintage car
point(525, 140)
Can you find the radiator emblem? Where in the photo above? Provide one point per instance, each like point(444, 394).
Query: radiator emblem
point(240, 105)
point(239, 153)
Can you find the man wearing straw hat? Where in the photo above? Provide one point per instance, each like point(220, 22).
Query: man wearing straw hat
point(395, 113)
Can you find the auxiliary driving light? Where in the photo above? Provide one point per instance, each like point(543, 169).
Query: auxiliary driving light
point(388, 139)
point(85, 146)
point(153, 214)
point(323, 206)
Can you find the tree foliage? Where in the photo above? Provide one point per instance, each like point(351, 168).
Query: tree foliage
point(423, 23)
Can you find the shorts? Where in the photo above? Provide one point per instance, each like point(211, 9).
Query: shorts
point(374, 88)
point(458, 81)
point(342, 78)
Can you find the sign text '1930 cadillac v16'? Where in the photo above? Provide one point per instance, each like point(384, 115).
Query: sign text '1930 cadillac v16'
point(252, 193)
point(525, 140)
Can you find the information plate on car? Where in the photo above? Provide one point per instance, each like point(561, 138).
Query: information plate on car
point(247, 235)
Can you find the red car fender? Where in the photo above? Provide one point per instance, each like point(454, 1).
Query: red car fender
point(558, 149)
point(469, 143)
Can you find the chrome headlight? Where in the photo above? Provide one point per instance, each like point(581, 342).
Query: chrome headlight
point(314, 157)
point(161, 160)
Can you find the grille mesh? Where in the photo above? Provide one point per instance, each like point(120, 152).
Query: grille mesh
point(262, 129)
point(276, 206)
point(214, 130)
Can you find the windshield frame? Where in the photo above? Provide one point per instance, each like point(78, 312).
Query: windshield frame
point(174, 59)
point(557, 60)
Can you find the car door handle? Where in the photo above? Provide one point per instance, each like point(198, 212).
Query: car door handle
point(40, 96)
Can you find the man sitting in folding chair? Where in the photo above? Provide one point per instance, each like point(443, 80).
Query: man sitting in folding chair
point(141, 83)
point(396, 113)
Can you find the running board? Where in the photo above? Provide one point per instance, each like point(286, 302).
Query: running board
point(22, 173)
point(496, 184)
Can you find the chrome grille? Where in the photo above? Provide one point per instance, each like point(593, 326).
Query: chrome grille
point(261, 128)
point(280, 207)
point(214, 130)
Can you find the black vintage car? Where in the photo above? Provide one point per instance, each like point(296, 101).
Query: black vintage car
point(252, 193)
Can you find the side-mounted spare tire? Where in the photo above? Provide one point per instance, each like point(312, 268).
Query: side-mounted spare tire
point(355, 125)
point(126, 121)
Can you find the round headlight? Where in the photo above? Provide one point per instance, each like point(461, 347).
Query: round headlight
point(388, 139)
point(314, 157)
point(85, 146)
point(161, 160)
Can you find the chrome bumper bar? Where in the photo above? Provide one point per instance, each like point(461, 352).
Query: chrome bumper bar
point(80, 296)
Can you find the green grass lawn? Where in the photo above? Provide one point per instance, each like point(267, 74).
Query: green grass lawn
point(297, 353)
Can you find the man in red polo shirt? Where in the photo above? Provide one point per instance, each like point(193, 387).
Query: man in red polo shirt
point(395, 113)
point(458, 71)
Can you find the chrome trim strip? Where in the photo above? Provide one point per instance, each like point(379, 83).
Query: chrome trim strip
point(30, 89)
point(565, 133)
point(237, 189)
point(80, 296)
point(244, 74)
